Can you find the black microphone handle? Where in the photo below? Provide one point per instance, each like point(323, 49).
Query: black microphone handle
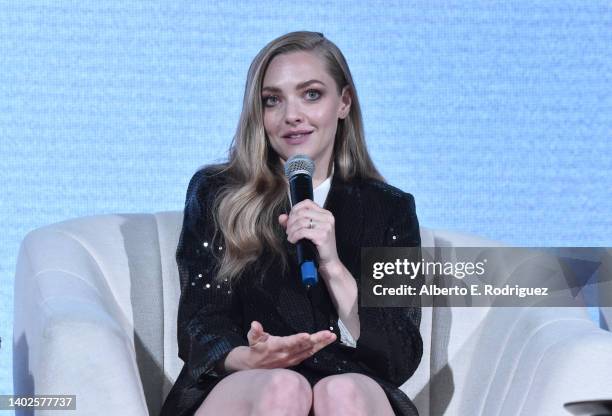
point(300, 188)
point(306, 251)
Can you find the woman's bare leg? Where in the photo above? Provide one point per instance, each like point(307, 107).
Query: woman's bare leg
point(350, 394)
point(259, 392)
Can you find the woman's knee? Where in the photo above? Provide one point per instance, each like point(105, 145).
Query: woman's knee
point(341, 394)
point(284, 390)
point(259, 392)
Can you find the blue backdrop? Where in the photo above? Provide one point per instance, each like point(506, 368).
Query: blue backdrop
point(497, 116)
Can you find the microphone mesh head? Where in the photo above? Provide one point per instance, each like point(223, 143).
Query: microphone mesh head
point(299, 164)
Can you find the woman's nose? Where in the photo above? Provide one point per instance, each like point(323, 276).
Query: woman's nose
point(293, 112)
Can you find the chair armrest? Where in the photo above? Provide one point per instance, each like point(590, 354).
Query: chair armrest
point(549, 356)
point(70, 335)
point(576, 368)
point(84, 352)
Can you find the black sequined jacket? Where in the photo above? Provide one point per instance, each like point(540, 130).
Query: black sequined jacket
point(213, 318)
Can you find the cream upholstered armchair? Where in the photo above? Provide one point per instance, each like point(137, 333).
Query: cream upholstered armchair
point(95, 315)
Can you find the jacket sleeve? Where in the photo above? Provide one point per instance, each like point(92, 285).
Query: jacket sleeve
point(209, 315)
point(390, 342)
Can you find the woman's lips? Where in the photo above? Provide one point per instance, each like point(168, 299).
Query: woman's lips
point(297, 139)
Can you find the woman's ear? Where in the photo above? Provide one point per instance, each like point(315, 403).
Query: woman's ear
point(346, 101)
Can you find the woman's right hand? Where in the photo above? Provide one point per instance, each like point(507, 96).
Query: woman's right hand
point(270, 351)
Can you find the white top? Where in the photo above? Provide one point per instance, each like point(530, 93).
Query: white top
point(320, 194)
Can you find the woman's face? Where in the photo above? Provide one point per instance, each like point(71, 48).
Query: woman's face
point(302, 107)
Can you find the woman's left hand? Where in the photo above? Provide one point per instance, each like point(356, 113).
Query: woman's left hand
point(308, 220)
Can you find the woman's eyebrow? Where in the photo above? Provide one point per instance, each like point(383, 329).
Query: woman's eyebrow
point(297, 87)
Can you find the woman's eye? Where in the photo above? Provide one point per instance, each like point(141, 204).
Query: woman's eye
point(313, 94)
point(270, 100)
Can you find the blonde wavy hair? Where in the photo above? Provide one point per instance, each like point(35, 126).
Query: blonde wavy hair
point(247, 207)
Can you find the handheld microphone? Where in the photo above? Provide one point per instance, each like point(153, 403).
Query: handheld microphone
point(299, 170)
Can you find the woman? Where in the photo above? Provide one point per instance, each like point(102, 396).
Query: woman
point(253, 340)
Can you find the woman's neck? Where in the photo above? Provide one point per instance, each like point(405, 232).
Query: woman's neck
point(319, 178)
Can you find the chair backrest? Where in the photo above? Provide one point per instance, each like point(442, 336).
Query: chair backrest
point(465, 367)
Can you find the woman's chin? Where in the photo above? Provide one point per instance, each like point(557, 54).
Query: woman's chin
point(295, 152)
